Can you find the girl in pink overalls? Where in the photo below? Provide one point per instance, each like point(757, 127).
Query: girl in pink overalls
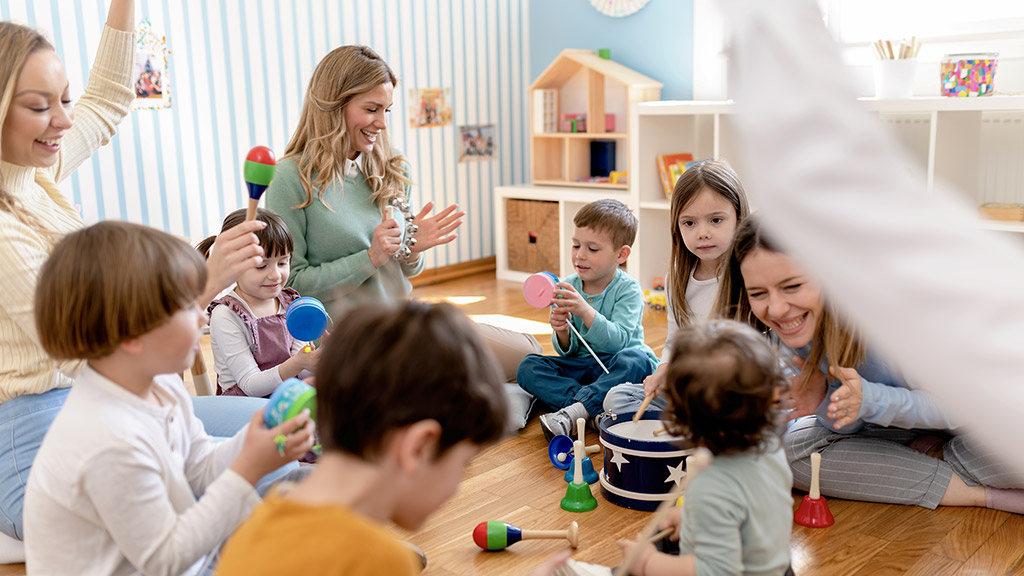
point(252, 349)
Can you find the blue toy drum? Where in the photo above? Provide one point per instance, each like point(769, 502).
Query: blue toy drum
point(290, 398)
point(306, 319)
point(640, 468)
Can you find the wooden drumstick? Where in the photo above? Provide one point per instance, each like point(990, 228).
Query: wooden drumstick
point(698, 461)
point(666, 532)
point(592, 449)
point(643, 407)
point(200, 377)
point(659, 431)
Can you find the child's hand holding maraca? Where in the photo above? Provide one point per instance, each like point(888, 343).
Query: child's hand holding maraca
point(267, 449)
point(235, 251)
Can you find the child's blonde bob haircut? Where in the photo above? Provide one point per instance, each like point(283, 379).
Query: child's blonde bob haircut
point(112, 282)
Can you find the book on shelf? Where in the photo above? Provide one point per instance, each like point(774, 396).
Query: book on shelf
point(671, 167)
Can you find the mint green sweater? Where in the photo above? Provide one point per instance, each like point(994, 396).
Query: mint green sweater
point(331, 259)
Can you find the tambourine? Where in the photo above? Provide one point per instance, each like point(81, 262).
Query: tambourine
point(306, 319)
point(290, 398)
point(405, 223)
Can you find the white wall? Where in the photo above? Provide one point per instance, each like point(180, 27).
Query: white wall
point(238, 71)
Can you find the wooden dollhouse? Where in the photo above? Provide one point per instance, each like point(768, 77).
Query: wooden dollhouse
point(581, 99)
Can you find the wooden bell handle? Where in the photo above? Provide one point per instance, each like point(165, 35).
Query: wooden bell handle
point(815, 492)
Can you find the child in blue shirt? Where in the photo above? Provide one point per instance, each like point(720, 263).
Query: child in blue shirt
point(606, 307)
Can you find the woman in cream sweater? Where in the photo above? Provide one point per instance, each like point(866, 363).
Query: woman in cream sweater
point(45, 137)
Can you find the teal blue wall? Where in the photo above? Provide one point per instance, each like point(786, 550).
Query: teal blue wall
point(657, 41)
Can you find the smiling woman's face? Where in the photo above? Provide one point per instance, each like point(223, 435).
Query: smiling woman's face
point(782, 296)
point(366, 116)
point(40, 112)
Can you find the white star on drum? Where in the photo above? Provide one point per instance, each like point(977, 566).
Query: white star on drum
point(618, 459)
point(676, 473)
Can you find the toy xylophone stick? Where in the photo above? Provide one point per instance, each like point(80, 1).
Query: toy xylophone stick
point(589, 349)
point(643, 407)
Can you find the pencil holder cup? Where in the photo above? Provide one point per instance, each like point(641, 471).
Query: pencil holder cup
point(894, 79)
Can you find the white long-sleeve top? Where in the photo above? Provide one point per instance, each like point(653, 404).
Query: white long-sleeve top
point(700, 297)
point(25, 368)
point(123, 486)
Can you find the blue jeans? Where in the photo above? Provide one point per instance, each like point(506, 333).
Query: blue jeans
point(559, 381)
point(25, 420)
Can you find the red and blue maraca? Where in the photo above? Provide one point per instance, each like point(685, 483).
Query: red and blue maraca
point(497, 535)
point(260, 165)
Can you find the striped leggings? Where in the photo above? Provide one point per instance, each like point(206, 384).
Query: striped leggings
point(876, 465)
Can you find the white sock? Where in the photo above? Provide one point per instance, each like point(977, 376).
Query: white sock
point(11, 551)
point(576, 410)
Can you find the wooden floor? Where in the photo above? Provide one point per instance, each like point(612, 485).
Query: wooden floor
point(513, 481)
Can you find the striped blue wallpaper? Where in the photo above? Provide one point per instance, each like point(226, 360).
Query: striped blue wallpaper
point(238, 71)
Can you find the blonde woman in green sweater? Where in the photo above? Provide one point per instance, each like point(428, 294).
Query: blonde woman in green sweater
point(338, 173)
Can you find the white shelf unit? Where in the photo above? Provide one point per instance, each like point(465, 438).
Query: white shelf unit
point(976, 144)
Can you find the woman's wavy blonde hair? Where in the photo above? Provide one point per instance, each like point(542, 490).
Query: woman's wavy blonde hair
point(17, 42)
point(320, 143)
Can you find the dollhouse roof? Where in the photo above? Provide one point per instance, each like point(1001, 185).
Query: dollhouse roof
point(571, 61)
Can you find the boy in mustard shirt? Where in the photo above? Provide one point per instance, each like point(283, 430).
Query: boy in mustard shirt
point(406, 397)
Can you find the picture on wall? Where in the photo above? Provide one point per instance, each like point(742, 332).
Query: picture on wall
point(150, 76)
point(477, 143)
point(430, 107)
